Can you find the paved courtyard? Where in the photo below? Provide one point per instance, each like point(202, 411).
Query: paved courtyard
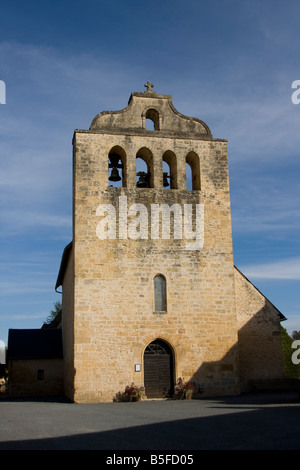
point(254, 421)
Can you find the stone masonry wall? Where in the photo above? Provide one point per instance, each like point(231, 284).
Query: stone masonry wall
point(259, 335)
point(24, 378)
point(114, 318)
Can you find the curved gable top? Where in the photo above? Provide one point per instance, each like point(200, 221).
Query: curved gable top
point(133, 117)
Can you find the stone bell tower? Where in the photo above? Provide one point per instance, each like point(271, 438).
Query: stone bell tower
point(148, 283)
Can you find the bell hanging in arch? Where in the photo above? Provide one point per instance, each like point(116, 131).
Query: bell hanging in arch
point(114, 165)
point(114, 176)
point(143, 180)
point(165, 180)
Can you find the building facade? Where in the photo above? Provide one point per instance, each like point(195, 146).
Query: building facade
point(35, 363)
point(150, 292)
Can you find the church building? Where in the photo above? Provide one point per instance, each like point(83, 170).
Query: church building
point(149, 288)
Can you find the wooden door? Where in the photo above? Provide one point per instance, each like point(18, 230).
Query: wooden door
point(158, 370)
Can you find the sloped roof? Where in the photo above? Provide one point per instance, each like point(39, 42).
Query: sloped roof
point(281, 316)
point(63, 265)
point(34, 344)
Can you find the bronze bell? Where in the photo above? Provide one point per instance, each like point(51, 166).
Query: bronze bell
point(143, 180)
point(114, 176)
point(114, 165)
point(165, 180)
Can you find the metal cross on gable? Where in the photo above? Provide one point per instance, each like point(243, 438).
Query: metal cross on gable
point(149, 86)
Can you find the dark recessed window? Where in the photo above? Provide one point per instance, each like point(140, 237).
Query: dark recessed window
point(40, 374)
point(159, 284)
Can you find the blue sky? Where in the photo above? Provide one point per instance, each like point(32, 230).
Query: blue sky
point(230, 63)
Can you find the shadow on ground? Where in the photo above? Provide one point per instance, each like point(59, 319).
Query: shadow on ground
point(258, 422)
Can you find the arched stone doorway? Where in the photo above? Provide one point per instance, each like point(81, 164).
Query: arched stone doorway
point(158, 370)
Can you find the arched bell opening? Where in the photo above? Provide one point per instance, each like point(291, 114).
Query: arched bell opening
point(169, 170)
point(144, 169)
point(117, 167)
point(193, 171)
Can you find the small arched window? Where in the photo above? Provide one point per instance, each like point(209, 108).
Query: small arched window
point(152, 120)
point(160, 299)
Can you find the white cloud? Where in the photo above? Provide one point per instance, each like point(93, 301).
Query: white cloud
point(266, 204)
point(288, 269)
point(17, 223)
point(23, 286)
point(27, 275)
point(23, 317)
point(21, 221)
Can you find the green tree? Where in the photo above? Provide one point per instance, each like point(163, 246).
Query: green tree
point(291, 370)
point(296, 335)
point(54, 312)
